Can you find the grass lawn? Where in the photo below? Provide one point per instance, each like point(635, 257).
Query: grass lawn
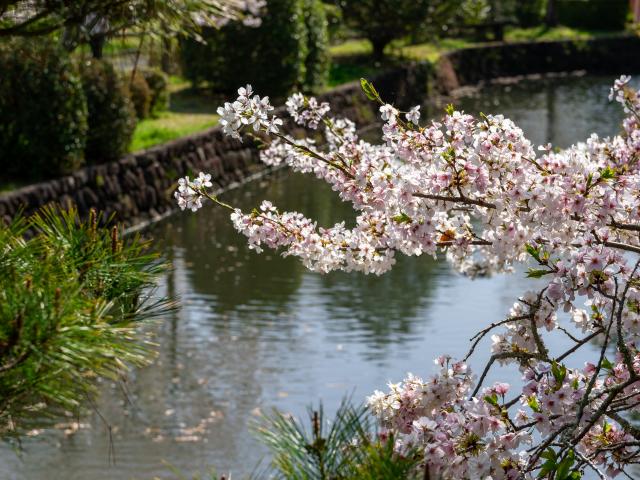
point(352, 59)
point(9, 185)
point(542, 33)
point(432, 51)
point(191, 110)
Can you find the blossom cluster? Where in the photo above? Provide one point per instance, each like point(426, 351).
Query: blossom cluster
point(189, 193)
point(248, 110)
point(478, 191)
point(464, 438)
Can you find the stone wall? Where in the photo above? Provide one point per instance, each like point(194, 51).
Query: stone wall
point(476, 65)
point(139, 187)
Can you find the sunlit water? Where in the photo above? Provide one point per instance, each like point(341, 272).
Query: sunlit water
point(259, 331)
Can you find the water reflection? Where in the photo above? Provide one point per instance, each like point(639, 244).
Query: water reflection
point(256, 331)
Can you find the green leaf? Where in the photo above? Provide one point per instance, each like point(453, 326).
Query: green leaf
point(533, 251)
point(547, 467)
point(492, 399)
point(607, 173)
point(550, 465)
point(606, 364)
point(402, 218)
point(537, 273)
point(564, 467)
point(559, 372)
point(532, 401)
point(450, 109)
point(549, 454)
point(369, 90)
point(589, 180)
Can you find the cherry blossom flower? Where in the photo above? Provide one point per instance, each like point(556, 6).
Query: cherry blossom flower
point(479, 192)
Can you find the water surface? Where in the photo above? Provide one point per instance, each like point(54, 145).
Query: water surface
point(259, 331)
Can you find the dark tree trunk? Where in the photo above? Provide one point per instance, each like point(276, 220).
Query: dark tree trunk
point(165, 58)
point(551, 16)
point(378, 47)
point(96, 42)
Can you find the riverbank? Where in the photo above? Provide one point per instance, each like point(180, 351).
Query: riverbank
point(138, 188)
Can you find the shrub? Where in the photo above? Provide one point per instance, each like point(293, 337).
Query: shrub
point(140, 94)
point(71, 303)
point(338, 31)
point(317, 61)
point(282, 47)
point(271, 57)
point(347, 446)
point(159, 86)
point(111, 113)
point(595, 14)
point(382, 21)
point(43, 113)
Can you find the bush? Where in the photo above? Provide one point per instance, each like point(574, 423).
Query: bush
point(317, 61)
point(140, 94)
point(593, 14)
point(338, 32)
point(158, 83)
point(111, 112)
point(270, 57)
point(43, 113)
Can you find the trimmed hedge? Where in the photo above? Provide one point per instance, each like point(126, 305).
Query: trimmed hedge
point(593, 14)
point(43, 112)
point(158, 83)
point(140, 94)
point(273, 57)
point(317, 62)
point(111, 112)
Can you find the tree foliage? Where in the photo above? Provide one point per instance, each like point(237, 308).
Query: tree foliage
point(286, 51)
point(43, 112)
point(317, 60)
point(80, 19)
point(382, 21)
point(111, 116)
point(72, 299)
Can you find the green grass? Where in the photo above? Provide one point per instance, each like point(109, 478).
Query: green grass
point(542, 33)
point(351, 48)
point(8, 186)
point(190, 111)
point(432, 51)
point(169, 126)
point(341, 73)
